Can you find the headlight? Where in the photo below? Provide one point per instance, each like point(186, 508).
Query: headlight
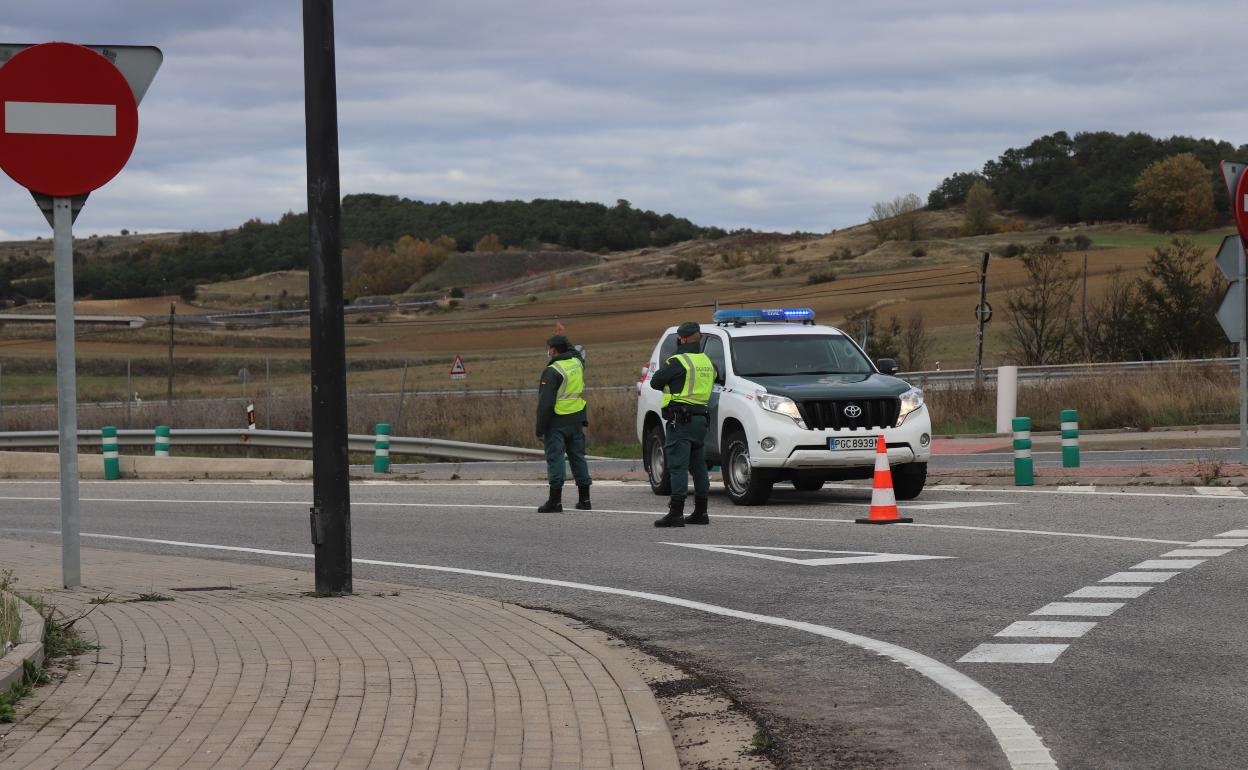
point(911, 400)
point(780, 405)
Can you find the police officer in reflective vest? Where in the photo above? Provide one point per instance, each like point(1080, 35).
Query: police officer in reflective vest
point(561, 421)
point(686, 380)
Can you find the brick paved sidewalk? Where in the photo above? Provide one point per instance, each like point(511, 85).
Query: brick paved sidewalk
point(259, 675)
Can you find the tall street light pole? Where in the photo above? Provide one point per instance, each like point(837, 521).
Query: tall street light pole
point(331, 498)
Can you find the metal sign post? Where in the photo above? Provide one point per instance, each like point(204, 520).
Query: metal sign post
point(66, 388)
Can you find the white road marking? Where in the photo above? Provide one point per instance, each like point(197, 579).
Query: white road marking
point(268, 482)
point(1014, 653)
point(1022, 745)
point(941, 506)
point(1090, 609)
point(1219, 491)
point(1060, 629)
point(379, 483)
point(853, 557)
point(950, 487)
point(1197, 552)
point(1108, 493)
point(1138, 577)
point(1220, 542)
point(714, 515)
point(494, 483)
point(1168, 564)
point(60, 119)
point(1234, 533)
point(1109, 592)
point(1078, 489)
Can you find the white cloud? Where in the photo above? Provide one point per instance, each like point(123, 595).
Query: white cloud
point(795, 114)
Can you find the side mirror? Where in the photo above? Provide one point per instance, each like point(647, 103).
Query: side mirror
point(886, 365)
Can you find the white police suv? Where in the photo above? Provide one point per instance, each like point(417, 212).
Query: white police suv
point(793, 401)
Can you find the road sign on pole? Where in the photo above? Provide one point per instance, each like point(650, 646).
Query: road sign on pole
point(1231, 261)
point(458, 370)
point(68, 125)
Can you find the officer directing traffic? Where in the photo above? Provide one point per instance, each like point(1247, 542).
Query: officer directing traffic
point(686, 379)
point(561, 421)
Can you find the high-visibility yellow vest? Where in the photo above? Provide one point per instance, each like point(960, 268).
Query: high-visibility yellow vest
point(569, 400)
point(699, 380)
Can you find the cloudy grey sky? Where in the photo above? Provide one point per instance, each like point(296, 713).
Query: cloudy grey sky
point(788, 114)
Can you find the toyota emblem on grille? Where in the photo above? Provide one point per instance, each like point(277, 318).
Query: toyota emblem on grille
point(853, 411)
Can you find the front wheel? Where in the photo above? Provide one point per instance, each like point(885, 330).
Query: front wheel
point(746, 485)
point(656, 462)
point(908, 480)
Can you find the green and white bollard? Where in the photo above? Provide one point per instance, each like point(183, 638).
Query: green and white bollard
point(1070, 438)
point(1022, 452)
point(162, 440)
point(112, 461)
point(381, 449)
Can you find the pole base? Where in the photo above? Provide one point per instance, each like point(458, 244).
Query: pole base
point(898, 520)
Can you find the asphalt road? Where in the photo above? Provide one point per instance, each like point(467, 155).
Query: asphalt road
point(1159, 683)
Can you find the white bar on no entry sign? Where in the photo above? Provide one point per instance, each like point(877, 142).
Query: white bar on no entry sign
point(60, 119)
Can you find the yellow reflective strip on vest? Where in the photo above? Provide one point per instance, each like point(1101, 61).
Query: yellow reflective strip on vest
point(568, 400)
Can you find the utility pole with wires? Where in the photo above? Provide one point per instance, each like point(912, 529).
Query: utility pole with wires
point(173, 310)
point(983, 313)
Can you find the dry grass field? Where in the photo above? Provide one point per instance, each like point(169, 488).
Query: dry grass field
point(616, 308)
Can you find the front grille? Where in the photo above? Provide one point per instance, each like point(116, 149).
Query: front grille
point(830, 415)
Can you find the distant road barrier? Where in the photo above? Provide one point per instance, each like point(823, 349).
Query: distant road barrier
point(1063, 371)
point(282, 439)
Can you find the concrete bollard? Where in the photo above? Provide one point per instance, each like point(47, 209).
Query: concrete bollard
point(162, 441)
point(112, 460)
point(1070, 438)
point(381, 449)
point(1023, 476)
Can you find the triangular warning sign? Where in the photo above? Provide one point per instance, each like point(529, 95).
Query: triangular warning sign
point(457, 366)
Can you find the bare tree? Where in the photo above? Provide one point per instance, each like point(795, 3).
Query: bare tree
point(1041, 320)
point(897, 219)
point(916, 344)
point(1112, 329)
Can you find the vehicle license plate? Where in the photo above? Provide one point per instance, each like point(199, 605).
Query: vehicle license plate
point(862, 442)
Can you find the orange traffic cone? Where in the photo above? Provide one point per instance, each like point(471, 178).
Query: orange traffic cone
point(883, 504)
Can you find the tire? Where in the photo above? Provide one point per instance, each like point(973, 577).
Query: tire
point(656, 462)
point(806, 482)
point(745, 484)
point(908, 480)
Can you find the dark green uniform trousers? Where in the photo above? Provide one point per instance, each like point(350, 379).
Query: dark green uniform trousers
point(686, 453)
point(569, 440)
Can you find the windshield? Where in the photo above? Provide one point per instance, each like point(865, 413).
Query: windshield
point(797, 354)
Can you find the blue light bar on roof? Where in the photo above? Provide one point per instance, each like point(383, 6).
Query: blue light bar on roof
point(774, 315)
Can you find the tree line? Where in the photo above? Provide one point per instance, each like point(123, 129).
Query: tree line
point(1090, 177)
point(375, 229)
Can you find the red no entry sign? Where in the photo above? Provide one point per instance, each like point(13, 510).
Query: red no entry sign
point(1239, 203)
point(69, 121)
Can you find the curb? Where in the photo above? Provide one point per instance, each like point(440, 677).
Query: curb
point(29, 645)
point(654, 737)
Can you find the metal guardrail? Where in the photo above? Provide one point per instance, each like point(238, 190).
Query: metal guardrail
point(1065, 371)
point(282, 439)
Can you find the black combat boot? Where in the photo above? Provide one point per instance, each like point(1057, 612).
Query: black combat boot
point(699, 512)
point(582, 498)
point(554, 504)
point(675, 514)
